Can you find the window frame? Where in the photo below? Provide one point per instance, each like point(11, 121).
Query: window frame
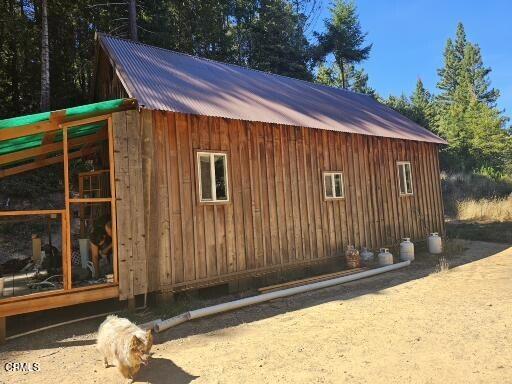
point(404, 179)
point(332, 174)
point(212, 154)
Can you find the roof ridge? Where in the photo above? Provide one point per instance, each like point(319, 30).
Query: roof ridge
point(200, 58)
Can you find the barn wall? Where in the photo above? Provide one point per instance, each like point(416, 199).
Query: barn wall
point(277, 215)
point(107, 85)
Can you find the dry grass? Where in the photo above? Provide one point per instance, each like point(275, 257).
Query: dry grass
point(493, 209)
point(443, 265)
point(458, 187)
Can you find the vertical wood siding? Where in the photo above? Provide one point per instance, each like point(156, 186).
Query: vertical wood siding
point(130, 203)
point(277, 214)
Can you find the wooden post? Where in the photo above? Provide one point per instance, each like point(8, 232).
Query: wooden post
point(131, 304)
point(3, 330)
point(131, 296)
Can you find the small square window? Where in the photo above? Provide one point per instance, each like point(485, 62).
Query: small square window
point(405, 177)
point(212, 177)
point(333, 185)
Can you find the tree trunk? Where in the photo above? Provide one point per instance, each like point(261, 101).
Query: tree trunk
point(45, 59)
point(132, 20)
point(342, 69)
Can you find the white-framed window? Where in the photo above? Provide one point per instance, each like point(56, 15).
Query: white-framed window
point(405, 177)
point(212, 171)
point(333, 185)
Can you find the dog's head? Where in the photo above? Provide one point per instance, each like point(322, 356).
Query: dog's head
point(149, 340)
point(140, 347)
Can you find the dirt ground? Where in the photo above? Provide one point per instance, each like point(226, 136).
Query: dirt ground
point(407, 326)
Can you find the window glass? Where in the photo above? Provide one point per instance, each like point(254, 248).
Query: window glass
point(220, 177)
point(405, 178)
point(213, 177)
point(328, 185)
point(338, 186)
point(205, 177)
point(333, 185)
point(401, 177)
point(408, 178)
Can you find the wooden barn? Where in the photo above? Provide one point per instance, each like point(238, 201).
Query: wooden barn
point(208, 173)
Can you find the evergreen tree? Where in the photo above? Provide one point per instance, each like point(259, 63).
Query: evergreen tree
point(277, 41)
point(402, 105)
point(448, 74)
point(20, 48)
point(357, 79)
point(343, 38)
point(359, 82)
point(461, 57)
point(328, 75)
point(423, 107)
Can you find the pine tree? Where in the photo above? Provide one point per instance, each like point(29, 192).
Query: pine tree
point(478, 76)
point(402, 105)
point(328, 75)
point(343, 38)
point(359, 82)
point(356, 79)
point(461, 57)
point(422, 104)
point(277, 42)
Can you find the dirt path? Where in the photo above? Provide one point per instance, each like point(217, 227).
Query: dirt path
point(408, 326)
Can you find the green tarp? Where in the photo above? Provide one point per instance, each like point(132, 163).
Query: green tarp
point(73, 113)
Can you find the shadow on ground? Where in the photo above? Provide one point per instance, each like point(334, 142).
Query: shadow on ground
point(424, 265)
point(163, 371)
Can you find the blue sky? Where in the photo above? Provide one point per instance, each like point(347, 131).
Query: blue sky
point(409, 37)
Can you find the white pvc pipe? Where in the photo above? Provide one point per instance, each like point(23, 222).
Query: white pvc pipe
point(214, 309)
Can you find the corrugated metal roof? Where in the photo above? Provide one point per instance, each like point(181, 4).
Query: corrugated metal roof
point(165, 80)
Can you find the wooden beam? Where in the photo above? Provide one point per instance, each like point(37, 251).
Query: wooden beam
point(53, 147)
point(90, 120)
point(91, 200)
point(33, 212)
point(13, 133)
point(45, 162)
point(61, 298)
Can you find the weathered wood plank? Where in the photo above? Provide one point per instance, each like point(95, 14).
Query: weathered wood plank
point(124, 228)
